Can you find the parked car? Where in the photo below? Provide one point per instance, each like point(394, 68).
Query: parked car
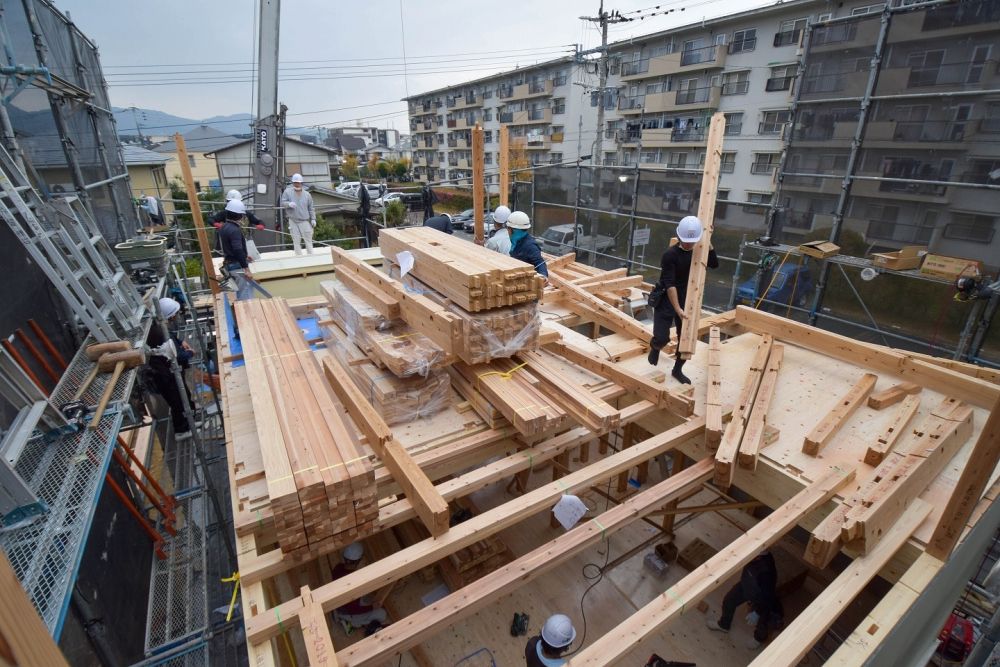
point(790, 277)
point(462, 220)
point(561, 239)
point(409, 199)
point(347, 186)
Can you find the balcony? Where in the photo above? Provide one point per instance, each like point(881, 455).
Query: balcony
point(462, 123)
point(537, 142)
point(860, 34)
point(920, 133)
point(532, 89)
point(788, 38)
point(709, 57)
point(459, 143)
point(428, 125)
point(943, 78)
point(837, 132)
point(813, 184)
point(467, 102)
point(952, 20)
point(706, 97)
point(529, 117)
point(505, 92)
point(837, 84)
point(913, 192)
point(735, 87)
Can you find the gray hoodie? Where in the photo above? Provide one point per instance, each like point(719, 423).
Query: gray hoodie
point(303, 211)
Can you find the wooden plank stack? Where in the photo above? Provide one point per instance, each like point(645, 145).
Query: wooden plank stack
point(320, 482)
point(471, 276)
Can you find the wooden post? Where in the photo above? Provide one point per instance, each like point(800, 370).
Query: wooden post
point(477, 182)
point(199, 223)
point(504, 164)
point(706, 213)
point(969, 488)
point(628, 439)
point(671, 507)
point(24, 639)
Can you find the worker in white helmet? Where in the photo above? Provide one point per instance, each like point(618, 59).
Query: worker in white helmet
point(361, 613)
point(298, 205)
point(219, 218)
point(546, 650)
point(499, 240)
point(523, 245)
point(162, 351)
point(668, 296)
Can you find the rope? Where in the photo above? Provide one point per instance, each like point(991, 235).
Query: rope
point(774, 277)
point(235, 580)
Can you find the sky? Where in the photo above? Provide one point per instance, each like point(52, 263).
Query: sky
point(340, 63)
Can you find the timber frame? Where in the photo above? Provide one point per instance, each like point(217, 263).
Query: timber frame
point(272, 610)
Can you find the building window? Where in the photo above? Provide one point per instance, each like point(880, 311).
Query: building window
point(728, 163)
point(197, 184)
point(781, 78)
point(678, 160)
point(764, 163)
point(757, 203)
point(790, 32)
point(736, 83)
point(881, 220)
point(743, 40)
point(560, 78)
point(487, 136)
point(720, 205)
point(555, 158)
point(970, 227)
point(774, 121)
point(559, 105)
point(487, 114)
point(869, 9)
point(734, 123)
point(487, 158)
point(191, 159)
point(488, 93)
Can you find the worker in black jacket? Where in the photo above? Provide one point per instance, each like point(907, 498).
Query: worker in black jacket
point(523, 245)
point(219, 218)
point(162, 351)
point(758, 586)
point(668, 297)
point(442, 223)
point(234, 250)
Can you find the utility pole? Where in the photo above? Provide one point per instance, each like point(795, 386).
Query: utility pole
point(138, 129)
point(604, 19)
point(268, 127)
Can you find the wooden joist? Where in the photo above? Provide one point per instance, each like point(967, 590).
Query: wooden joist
point(799, 636)
point(699, 254)
point(316, 633)
point(891, 434)
point(590, 306)
point(713, 391)
point(893, 395)
point(428, 503)
point(834, 420)
point(582, 405)
point(511, 390)
point(753, 436)
point(684, 596)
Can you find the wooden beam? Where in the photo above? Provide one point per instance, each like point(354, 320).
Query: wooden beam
point(266, 625)
point(582, 405)
point(753, 436)
point(429, 621)
point(969, 488)
point(835, 420)
point(24, 639)
point(685, 594)
point(503, 159)
point(699, 255)
point(890, 434)
point(386, 306)
point(893, 395)
point(600, 311)
point(713, 391)
point(427, 502)
point(198, 221)
point(645, 388)
point(316, 633)
point(798, 637)
point(478, 183)
point(972, 390)
point(725, 457)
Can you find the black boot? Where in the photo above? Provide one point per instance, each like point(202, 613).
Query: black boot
point(654, 356)
point(678, 372)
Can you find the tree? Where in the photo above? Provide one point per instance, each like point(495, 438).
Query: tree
point(383, 169)
point(373, 164)
point(395, 213)
point(350, 167)
point(400, 168)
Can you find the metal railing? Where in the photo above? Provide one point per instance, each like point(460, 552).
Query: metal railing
point(693, 95)
point(838, 33)
point(736, 87)
point(635, 67)
point(704, 54)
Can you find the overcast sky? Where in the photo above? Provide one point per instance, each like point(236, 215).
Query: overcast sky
point(336, 55)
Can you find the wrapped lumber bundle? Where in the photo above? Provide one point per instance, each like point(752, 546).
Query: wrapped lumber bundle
point(320, 482)
point(511, 389)
point(398, 400)
point(390, 343)
point(471, 276)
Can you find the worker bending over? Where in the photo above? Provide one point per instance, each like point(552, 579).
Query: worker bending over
point(758, 586)
point(546, 650)
point(357, 614)
point(499, 240)
point(234, 249)
point(301, 214)
point(523, 245)
point(442, 223)
point(670, 292)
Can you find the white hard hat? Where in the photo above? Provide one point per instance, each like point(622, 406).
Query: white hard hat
point(169, 307)
point(296, 178)
point(353, 551)
point(234, 194)
point(558, 631)
point(689, 229)
point(236, 206)
point(501, 214)
point(448, 215)
point(519, 220)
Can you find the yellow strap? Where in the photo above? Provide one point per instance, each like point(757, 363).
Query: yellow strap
point(503, 375)
point(235, 580)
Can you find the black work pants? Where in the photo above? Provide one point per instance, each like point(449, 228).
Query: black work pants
point(166, 386)
point(664, 317)
point(767, 608)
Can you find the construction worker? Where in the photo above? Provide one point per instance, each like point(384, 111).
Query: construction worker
point(359, 613)
point(162, 350)
point(220, 216)
point(499, 240)
point(442, 223)
point(667, 298)
point(301, 214)
point(758, 586)
point(234, 249)
point(522, 243)
point(545, 650)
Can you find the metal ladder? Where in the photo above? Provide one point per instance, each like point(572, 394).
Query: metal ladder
point(63, 240)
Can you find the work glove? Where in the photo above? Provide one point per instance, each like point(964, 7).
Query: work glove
point(168, 350)
point(290, 204)
point(313, 223)
point(752, 618)
point(217, 225)
point(259, 226)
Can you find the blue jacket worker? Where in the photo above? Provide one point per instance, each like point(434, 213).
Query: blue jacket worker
point(522, 243)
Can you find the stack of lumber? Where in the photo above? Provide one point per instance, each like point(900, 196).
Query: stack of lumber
point(391, 343)
point(320, 482)
point(610, 286)
point(469, 275)
point(397, 399)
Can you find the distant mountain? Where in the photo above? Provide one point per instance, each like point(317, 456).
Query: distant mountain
point(153, 122)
